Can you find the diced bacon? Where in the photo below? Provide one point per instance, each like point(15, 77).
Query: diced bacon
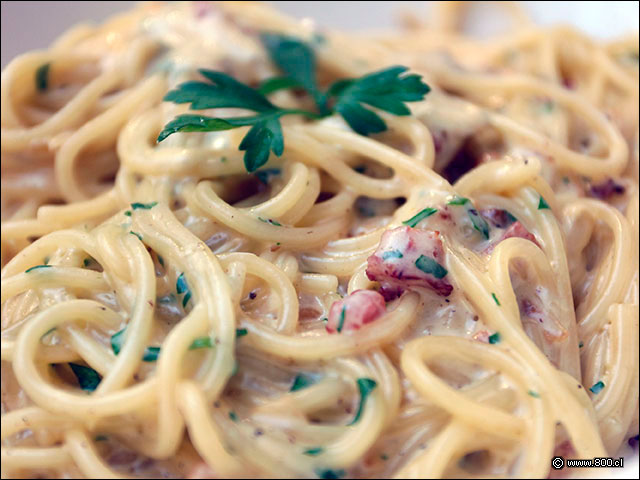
point(353, 311)
point(393, 264)
point(515, 230)
point(498, 217)
point(518, 230)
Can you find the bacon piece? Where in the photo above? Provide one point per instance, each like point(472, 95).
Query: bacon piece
point(515, 230)
point(393, 264)
point(353, 311)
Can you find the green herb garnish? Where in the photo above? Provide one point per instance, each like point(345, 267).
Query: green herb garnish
point(495, 299)
point(534, 394)
point(597, 387)
point(136, 234)
point(430, 266)
point(151, 354)
point(542, 204)
point(458, 201)
point(330, 474)
point(495, 338)
point(116, 341)
point(241, 332)
point(391, 254)
point(301, 381)
point(313, 451)
point(418, 217)
point(478, 222)
point(581, 344)
point(233, 416)
point(88, 378)
point(223, 91)
point(145, 206)
point(201, 342)
point(127, 213)
point(366, 386)
point(271, 221)
point(42, 77)
point(36, 268)
point(183, 287)
point(386, 90)
point(343, 313)
point(297, 60)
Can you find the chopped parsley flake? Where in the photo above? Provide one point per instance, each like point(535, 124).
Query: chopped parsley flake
point(330, 474)
point(233, 416)
point(145, 206)
point(313, 451)
point(365, 386)
point(391, 254)
point(88, 378)
point(136, 234)
point(457, 201)
point(151, 354)
point(128, 213)
point(343, 313)
point(478, 222)
point(542, 204)
point(36, 268)
point(495, 299)
point(418, 217)
point(534, 394)
point(241, 332)
point(201, 342)
point(597, 387)
point(581, 344)
point(42, 77)
point(301, 381)
point(430, 266)
point(183, 287)
point(271, 221)
point(495, 338)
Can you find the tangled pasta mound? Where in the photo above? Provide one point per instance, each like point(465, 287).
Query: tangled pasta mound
point(441, 288)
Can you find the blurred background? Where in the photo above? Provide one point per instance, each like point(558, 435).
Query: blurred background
point(31, 25)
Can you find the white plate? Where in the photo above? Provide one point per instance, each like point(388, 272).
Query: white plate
point(31, 25)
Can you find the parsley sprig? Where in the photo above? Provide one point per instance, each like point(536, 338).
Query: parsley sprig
point(386, 90)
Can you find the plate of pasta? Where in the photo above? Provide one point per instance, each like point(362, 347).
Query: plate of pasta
point(238, 244)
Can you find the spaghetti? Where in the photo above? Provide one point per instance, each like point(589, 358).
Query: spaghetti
point(456, 296)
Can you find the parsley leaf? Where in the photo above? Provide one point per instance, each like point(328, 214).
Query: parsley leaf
point(385, 89)
point(297, 60)
point(42, 77)
point(88, 378)
point(430, 266)
point(365, 386)
point(418, 217)
point(343, 313)
point(479, 223)
point(495, 338)
point(301, 381)
point(36, 268)
point(223, 91)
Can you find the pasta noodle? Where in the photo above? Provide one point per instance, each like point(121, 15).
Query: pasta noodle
point(166, 313)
